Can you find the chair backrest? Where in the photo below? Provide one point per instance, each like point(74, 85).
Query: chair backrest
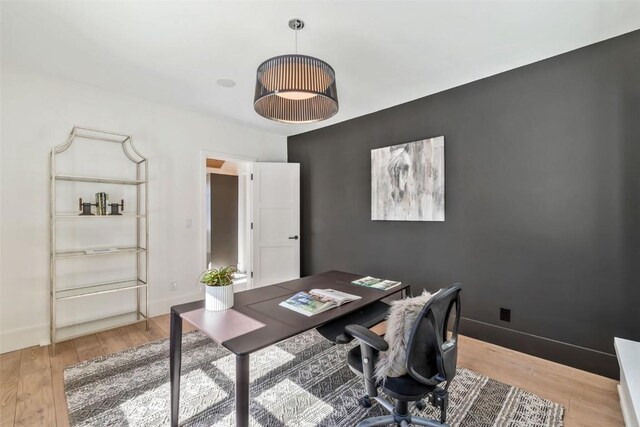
point(431, 355)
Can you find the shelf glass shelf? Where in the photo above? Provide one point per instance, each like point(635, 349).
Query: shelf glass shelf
point(98, 179)
point(75, 215)
point(77, 330)
point(97, 252)
point(99, 288)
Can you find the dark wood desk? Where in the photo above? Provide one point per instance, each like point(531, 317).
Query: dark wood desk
point(257, 321)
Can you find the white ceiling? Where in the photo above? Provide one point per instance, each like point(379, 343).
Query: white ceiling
point(384, 53)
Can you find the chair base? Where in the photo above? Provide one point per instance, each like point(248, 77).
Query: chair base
point(400, 416)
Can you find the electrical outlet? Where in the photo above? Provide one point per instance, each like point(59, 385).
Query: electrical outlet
point(505, 314)
point(174, 286)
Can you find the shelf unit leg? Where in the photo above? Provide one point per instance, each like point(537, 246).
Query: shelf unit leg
point(138, 292)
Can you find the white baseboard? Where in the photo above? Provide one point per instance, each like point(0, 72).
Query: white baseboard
point(163, 306)
point(28, 336)
point(15, 339)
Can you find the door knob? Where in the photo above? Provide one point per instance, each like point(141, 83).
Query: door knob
point(293, 237)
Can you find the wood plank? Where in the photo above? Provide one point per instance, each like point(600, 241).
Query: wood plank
point(187, 327)
point(36, 397)
point(121, 338)
point(88, 347)
point(65, 355)
point(380, 328)
point(132, 335)
point(499, 363)
point(585, 413)
point(112, 340)
point(154, 333)
point(215, 163)
point(35, 403)
point(163, 322)
point(588, 399)
point(9, 376)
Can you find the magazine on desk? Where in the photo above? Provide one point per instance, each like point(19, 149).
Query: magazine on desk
point(317, 301)
point(372, 282)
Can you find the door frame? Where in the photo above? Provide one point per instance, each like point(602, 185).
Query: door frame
point(202, 217)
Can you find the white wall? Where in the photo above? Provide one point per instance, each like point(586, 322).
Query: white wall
point(38, 112)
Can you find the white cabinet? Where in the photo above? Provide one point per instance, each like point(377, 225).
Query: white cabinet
point(628, 353)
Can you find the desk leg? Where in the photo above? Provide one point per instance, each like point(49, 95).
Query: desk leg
point(175, 360)
point(242, 390)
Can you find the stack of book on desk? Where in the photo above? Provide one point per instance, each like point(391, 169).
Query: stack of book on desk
point(372, 282)
point(317, 301)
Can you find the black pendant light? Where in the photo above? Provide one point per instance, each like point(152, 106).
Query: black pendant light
point(296, 88)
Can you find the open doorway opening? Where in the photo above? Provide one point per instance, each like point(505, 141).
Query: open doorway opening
point(227, 212)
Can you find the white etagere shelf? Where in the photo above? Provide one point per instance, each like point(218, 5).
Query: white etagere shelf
point(136, 282)
point(99, 288)
point(87, 328)
point(99, 180)
point(83, 252)
point(75, 215)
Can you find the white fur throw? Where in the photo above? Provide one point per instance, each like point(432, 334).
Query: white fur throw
point(402, 315)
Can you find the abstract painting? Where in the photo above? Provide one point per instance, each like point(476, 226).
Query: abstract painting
point(407, 181)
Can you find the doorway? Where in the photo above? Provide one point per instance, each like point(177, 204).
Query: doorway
point(260, 209)
point(226, 217)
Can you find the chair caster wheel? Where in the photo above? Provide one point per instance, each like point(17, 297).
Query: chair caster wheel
point(365, 402)
point(420, 405)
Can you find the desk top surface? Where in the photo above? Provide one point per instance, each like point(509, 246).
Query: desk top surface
point(257, 320)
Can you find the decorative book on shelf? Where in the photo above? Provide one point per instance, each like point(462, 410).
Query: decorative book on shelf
point(317, 301)
point(101, 201)
point(375, 283)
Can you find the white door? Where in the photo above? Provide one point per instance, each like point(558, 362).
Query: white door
point(276, 223)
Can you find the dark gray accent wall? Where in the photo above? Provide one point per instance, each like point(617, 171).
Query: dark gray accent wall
point(224, 220)
point(542, 202)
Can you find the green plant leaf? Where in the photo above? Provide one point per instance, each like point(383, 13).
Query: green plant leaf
point(222, 276)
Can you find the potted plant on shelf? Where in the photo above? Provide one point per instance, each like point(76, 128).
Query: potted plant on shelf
point(219, 288)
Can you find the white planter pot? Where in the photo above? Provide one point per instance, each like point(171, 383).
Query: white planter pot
point(218, 298)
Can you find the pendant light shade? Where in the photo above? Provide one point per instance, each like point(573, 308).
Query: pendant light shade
point(296, 89)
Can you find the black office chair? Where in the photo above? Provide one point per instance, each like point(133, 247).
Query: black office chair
point(431, 363)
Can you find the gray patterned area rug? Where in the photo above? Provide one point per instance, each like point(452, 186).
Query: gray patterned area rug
point(303, 381)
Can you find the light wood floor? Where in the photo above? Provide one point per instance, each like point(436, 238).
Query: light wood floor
point(32, 388)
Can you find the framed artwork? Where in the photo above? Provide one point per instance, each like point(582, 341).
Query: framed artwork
point(407, 181)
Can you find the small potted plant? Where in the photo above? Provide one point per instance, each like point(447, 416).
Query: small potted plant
point(219, 288)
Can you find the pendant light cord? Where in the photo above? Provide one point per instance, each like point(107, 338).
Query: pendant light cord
point(296, 31)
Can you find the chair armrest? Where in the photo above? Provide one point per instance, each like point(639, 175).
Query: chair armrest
point(366, 336)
